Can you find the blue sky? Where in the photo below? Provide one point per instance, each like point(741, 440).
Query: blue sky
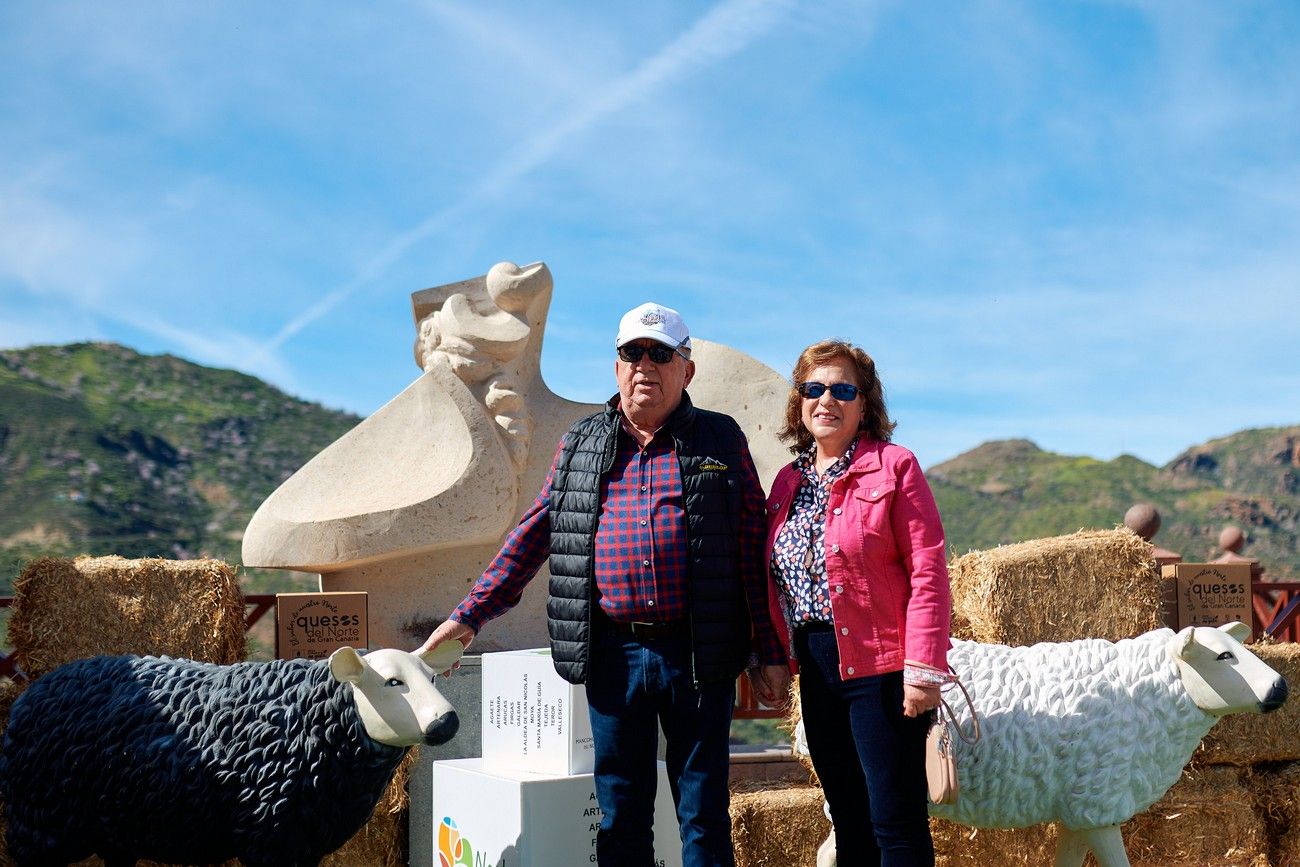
point(1073, 222)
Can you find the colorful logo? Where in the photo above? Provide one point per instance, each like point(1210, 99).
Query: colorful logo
point(453, 849)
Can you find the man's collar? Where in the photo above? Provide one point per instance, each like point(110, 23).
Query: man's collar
point(680, 419)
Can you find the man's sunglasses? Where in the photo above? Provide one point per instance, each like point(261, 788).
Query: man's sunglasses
point(659, 354)
point(840, 391)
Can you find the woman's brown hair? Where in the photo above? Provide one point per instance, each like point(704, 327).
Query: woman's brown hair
point(875, 419)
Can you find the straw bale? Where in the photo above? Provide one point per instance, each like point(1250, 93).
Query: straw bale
point(958, 846)
point(1091, 584)
point(66, 610)
point(1276, 791)
point(1252, 738)
point(1208, 819)
point(790, 724)
point(777, 826)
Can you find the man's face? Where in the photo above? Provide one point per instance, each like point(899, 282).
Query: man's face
point(652, 390)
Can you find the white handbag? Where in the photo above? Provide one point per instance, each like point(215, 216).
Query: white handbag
point(940, 749)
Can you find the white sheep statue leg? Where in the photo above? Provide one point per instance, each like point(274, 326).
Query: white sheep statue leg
point(826, 852)
point(1090, 733)
point(1106, 845)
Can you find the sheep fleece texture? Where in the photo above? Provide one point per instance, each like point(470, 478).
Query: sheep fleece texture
point(1088, 732)
point(188, 762)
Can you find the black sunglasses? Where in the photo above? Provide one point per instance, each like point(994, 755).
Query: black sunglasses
point(659, 354)
point(839, 391)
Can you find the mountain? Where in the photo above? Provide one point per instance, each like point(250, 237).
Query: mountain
point(1011, 490)
point(107, 451)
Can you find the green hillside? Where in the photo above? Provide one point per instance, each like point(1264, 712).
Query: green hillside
point(1011, 490)
point(107, 451)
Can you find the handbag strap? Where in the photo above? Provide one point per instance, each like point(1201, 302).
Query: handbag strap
point(944, 707)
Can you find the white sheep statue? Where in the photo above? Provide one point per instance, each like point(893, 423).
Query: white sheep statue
point(1089, 733)
point(176, 761)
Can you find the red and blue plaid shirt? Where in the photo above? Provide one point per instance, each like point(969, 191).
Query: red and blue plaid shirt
point(640, 555)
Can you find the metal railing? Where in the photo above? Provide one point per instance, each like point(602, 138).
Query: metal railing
point(1277, 605)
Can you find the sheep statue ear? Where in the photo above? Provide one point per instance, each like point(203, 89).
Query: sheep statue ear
point(1182, 643)
point(444, 656)
point(346, 665)
point(1237, 630)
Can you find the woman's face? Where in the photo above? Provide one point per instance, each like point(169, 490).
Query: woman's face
point(831, 422)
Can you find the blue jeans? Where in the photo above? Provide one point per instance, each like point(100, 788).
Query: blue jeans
point(631, 686)
point(869, 757)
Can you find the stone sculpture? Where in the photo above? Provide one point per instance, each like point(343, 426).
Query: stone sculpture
point(412, 504)
point(184, 762)
point(1090, 733)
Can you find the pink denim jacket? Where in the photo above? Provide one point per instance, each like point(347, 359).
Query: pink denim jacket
point(885, 562)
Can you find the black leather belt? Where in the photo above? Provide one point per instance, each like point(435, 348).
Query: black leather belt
point(644, 631)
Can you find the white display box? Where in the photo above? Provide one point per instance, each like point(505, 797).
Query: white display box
point(484, 817)
point(533, 719)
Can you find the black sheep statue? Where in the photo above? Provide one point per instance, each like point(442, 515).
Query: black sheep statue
point(274, 763)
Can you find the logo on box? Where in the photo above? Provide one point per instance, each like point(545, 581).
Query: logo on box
point(455, 850)
point(314, 625)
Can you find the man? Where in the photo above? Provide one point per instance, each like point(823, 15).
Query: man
point(652, 517)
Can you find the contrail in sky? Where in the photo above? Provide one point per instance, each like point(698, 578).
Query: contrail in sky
point(726, 29)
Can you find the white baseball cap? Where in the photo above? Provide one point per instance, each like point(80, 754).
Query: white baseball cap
point(656, 322)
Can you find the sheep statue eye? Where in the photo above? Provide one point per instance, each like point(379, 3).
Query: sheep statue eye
point(393, 681)
point(1227, 654)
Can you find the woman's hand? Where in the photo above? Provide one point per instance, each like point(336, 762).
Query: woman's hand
point(771, 684)
point(919, 699)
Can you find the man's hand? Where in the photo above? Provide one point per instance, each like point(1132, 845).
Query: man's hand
point(771, 684)
point(448, 630)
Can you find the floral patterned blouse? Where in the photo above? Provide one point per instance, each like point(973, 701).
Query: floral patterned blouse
point(799, 553)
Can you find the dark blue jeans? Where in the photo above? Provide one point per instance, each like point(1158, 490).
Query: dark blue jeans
point(869, 757)
point(632, 688)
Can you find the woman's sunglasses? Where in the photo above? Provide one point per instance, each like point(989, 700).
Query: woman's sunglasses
point(840, 391)
point(658, 353)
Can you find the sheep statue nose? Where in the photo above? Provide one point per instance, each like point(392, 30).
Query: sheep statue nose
point(1276, 696)
point(444, 729)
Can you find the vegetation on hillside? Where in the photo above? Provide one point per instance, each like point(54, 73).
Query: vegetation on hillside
point(107, 451)
point(1011, 490)
point(104, 450)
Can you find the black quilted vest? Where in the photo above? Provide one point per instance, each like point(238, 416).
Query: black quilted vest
point(709, 447)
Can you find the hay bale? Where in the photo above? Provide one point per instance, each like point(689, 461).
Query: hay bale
point(1276, 793)
point(382, 841)
point(1246, 739)
point(958, 846)
point(1091, 584)
point(777, 826)
point(790, 724)
point(1208, 819)
point(66, 610)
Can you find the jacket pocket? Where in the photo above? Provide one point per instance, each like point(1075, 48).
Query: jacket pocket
point(874, 502)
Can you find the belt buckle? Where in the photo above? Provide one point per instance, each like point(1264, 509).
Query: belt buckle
point(645, 629)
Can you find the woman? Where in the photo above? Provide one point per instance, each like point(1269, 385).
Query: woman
point(856, 559)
